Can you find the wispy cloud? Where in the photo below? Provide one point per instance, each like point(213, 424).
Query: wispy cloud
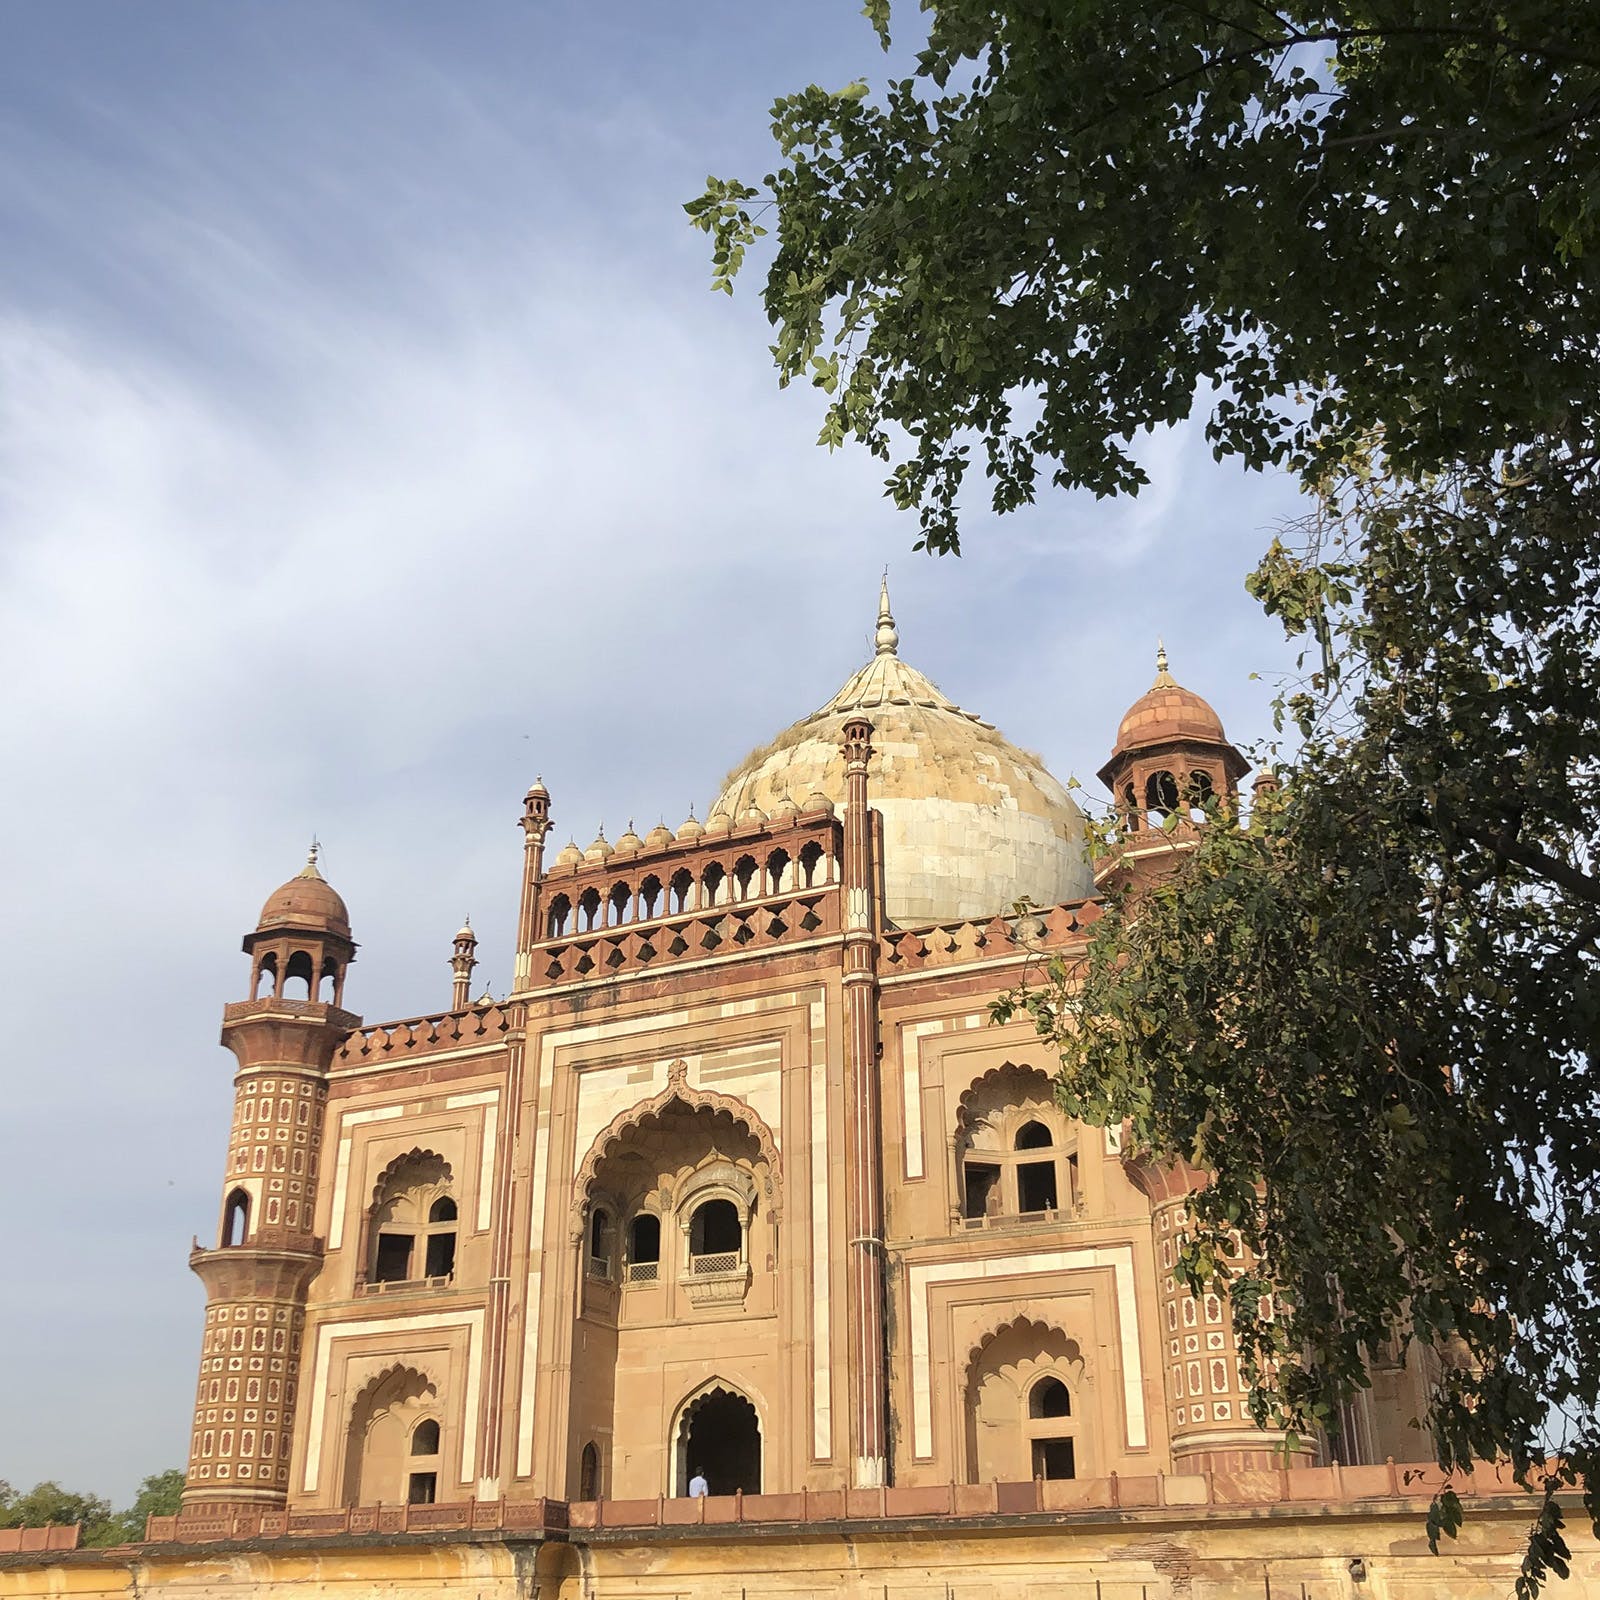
point(368, 443)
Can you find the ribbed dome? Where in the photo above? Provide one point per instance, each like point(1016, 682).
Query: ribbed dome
point(971, 823)
point(307, 901)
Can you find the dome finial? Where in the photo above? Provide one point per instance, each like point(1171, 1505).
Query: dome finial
point(888, 634)
point(1164, 679)
point(309, 870)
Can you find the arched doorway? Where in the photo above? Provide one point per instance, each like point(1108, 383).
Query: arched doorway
point(719, 1437)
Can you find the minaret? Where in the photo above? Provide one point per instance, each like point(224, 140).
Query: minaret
point(266, 1253)
point(535, 826)
point(463, 958)
point(1172, 767)
point(864, 1137)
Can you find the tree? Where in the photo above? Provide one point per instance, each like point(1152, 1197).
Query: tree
point(160, 1495)
point(48, 1503)
point(1360, 239)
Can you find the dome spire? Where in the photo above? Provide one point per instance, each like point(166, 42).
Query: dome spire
point(1164, 679)
point(888, 634)
point(309, 870)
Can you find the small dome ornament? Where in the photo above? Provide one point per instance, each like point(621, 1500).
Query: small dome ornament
point(464, 934)
point(571, 855)
point(888, 634)
point(690, 828)
point(719, 822)
point(752, 817)
point(629, 844)
point(600, 849)
point(659, 837)
point(817, 801)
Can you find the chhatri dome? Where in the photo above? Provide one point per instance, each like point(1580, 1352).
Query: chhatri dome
point(307, 902)
point(971, 823)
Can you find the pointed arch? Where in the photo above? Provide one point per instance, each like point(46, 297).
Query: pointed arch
point(736, 1459)
point(679, 1091)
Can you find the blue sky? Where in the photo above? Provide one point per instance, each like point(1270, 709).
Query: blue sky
point(369, 443)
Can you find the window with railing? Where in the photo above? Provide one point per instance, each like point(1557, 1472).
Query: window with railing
point(644, 1248)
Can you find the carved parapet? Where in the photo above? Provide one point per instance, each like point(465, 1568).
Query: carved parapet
point(740, 927)
point(417, 1036)
point(953, 944)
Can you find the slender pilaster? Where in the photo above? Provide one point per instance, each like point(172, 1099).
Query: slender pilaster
point(868, 1377)
point(535, 826)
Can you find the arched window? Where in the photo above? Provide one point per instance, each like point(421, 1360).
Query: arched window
point(682, 888)
point(425, 1438)
point(649, 897)
point(716, 1237)
point(777, 871)
point(600, 1243)
point(235, 1219)
point(1016, 1160)
point(1161, 794)
point(620, 905)
point(589, 911)
point(1021, 1420)
point(1199, 794)
point(589, 1473)
point(299, 971)
point(556, 921)
point(414, 1222)
point(711, 884)
point(266, 978)
point(644, 1248)
point(422, 1482)
point(810, 860)
point(441, 1251)
point(328, 984)
point(1049, 1397)
point(744, 874)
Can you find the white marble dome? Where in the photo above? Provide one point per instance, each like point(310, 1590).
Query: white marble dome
point(971, 823)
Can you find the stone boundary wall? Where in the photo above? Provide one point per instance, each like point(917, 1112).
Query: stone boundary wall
point(52, 1536)
point(1356, 1487)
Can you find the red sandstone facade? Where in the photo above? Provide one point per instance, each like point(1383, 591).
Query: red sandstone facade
point(738, 1181)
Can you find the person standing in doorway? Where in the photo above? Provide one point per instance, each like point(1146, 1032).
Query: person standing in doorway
point(698, 1487)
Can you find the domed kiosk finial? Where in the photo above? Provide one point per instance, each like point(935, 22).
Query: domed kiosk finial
point(888, 634)
point(1164, 679)
point(309, 870)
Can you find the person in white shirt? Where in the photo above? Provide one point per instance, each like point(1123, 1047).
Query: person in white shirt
point(698, 1487)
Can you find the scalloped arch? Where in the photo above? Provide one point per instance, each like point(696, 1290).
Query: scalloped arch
point(1022, 1323)
point(679, 1090)
point(416, 1153)
point(1022, 1071)
point(373, 1384)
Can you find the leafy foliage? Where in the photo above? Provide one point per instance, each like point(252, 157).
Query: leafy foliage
point(1359, 240)
point(1370, 1015)
point(1072, 217)
point(48, 1502)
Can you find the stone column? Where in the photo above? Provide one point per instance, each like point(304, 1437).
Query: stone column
point(864, 1142)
